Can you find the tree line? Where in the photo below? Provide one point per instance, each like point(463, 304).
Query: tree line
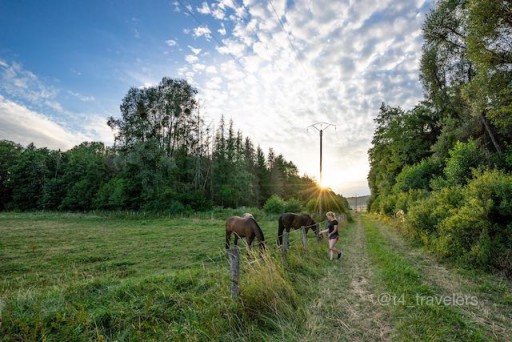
point(165, 159)
point(447, 162)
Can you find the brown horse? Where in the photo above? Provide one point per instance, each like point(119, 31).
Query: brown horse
point(295, 221)
point(244, 227)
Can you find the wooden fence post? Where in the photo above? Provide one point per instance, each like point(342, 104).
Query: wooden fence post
point(285, 245)
point(234, 271)
point(304, 237)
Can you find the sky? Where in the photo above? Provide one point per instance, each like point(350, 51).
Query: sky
point(275, 67)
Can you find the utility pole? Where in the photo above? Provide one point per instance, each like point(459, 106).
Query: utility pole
point(356, 203)
point(320, 127)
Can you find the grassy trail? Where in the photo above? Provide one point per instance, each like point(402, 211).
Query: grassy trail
point(385, 289)
point(493, 307)
point(346, 308)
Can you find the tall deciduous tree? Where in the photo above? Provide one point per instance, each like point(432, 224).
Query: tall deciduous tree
point(162, 113)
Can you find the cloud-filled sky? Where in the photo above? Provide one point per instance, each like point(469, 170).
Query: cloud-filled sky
point(275, 67)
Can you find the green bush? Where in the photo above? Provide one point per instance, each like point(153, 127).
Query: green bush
point(404, 200)
point(274, 205)
point(465, 236)
point(479, 232)
point(111, 195)
point(387, 205)
point(463, 158)
point(425, 215)
point(293, 205)
point(417, 176)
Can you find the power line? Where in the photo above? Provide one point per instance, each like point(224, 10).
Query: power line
point(287, 35)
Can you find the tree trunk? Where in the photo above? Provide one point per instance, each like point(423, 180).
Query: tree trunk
point(489, 131)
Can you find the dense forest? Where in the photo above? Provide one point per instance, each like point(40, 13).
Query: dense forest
point(447, 162)
point(165, 159)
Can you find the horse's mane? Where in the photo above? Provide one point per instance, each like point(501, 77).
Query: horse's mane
point(259, 231)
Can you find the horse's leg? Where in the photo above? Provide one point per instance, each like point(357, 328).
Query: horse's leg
point(280, 228)
point(236, 239)
point(228, 239)
point(250, 240)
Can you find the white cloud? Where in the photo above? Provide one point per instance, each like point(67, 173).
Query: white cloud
point(19, 83)
point(204, 9)
point(171, 42)
point(211, 69)
point(81, 97)
point(23, 126)
point(198, 67)
point(96, 128)
point(195, 51)
point(191, 58)
point(336, 61)
point(222, 30)
point(218, 13)
point(202, 31)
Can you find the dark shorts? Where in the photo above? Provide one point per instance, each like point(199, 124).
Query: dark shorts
point(334, 237)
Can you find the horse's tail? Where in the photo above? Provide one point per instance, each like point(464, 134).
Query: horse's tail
point(259, 234)
point(280, 231)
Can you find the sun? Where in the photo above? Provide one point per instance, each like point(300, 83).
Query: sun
point(324, 184)
point(328, 181)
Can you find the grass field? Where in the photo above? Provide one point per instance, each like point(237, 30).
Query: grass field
point(83, 277)
point(104, 277)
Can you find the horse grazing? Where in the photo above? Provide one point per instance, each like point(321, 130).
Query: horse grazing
point(295, 221)
point(244, 227)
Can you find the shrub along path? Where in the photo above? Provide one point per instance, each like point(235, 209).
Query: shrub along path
point(386, 289)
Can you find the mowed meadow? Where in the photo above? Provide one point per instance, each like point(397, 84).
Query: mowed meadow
point(123, 277)
point(86, 276)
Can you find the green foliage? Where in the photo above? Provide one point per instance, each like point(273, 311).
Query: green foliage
point(425, 215)
point(111, 195)
point(274, 205)
point(463, 158)
point(27, 177)
point(401, 138)
point(9, 156)
point(386, 204)
point(293, 205)
point(404, 200)
point(417, 176)
point(470, 224)
point(488, 35)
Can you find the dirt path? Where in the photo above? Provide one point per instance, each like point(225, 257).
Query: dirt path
point(346, 308)
point(490, 311)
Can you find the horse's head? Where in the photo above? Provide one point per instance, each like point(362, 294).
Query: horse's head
point(312, 224)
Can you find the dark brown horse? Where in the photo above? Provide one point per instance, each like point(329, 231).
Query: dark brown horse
point(244, 227)
point(289, 220)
